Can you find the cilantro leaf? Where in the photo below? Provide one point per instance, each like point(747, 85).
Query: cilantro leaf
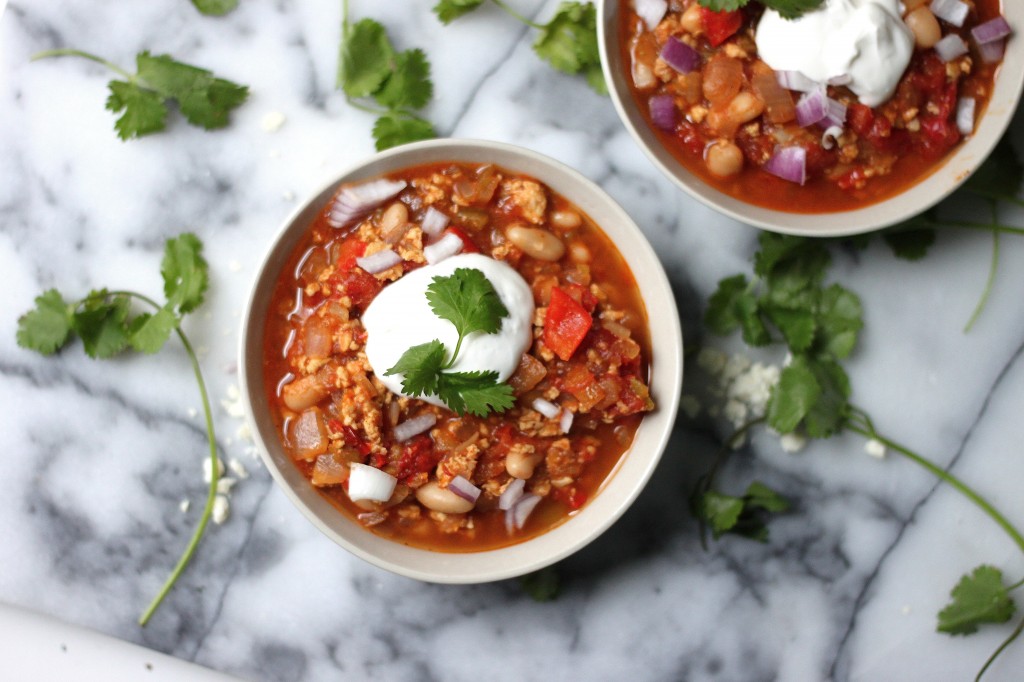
point(722, 316)
point(366, 58)
point(450, 10)
point(746, 515)
point(467, 299)
point(840, 319)
point(978, 598)
point(720, 512)
point(215, 8)
point(204, 100)
point(723, 5)
point(148, 333)
point(409, 84)
point(760, 496)
point(184, 272)
point(829, 411)
point(421, 365)
point(1001, 175)
point(569, 40)
point(101, 323)
point(794, 396)
point(144, 110)
point(542, 585)
point(392, 130)
point(46, 327)
point(788, 9)
point(478, 393)
point(797, 325)
point(911, 239)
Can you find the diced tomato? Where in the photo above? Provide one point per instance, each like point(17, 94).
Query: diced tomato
point(939, 135)
point(582, 295)
point(418, 456)
point(351, 437)
point(468, 245)
point(860, 117)
point(565, 324)
point(360, 286)
point(690, 137)
point(720, 26)
point(571, 496)
point(349, 250)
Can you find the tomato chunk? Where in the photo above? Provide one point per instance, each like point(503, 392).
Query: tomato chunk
point(565, 324)
point(719, 26)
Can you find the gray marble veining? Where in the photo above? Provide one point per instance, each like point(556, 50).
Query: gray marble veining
point(98, 455)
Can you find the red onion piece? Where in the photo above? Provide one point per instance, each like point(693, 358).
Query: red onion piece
point(680, 56)
point(965, 115)
point(369, 483)
point(355, 201)
point(651, 11)
point(951, 47)
point(991, 53)
point(446, 246)
point(789, 163)
point(379, 262)
point(811, 108)
point(521, 511)
point(835, 112)
point(565, 422)
point(546, 408)
point(434, 222)
point(794, 80)
point(664, 113)
point(991, 31)
point(512, 493)
point(951, 11)
point(464, 489)
point(414, 427)
point(830, 136)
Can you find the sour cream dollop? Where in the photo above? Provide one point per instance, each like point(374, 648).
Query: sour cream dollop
point(863, 39)
point(400, 318)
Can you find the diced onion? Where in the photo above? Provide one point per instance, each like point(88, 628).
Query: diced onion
point(965, 115)
point(355, 201)
point(379, 262)
point(369, 483)
point(951, 11)
point(464, 489)
point(546, 408)
point(794, 80)
point(446, 246)
point(811, 108)
point(835, 112)
point(651, 11)
point(830, 136)
point(680, 56)
point(992, 53)
point(991, 31)
point(565, 422)
point(511, 494)
point(515, 518)
point(951, 47)
point(789, 163)
point(414, 427)
point(434, 222)
point(664, 113)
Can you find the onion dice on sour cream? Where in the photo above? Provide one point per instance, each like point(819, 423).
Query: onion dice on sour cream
point(864, 42)
point(400, 317)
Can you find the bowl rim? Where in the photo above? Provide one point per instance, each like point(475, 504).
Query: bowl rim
point(627, 479)
point(943, 180)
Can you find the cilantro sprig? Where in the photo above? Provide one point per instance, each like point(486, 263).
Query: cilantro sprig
point(215, 8)
point(142, 98)
point(568, 41)
point(371, 69)
point(467, 299)
point(107, 326)
point(787, 302)
point(787, 9)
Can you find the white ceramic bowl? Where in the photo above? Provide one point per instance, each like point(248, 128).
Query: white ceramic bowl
point(956, 168)
point(635, 466)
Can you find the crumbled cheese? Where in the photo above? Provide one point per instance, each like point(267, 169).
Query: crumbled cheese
point(238, 469)
point(288, 195)
point(192, 412)
point(225, 484)
point(711, 360)
point(689, 405)
point(221, 507)
point(184, 505)
point(233, 402)
point(875, 448)
point(792, 442)
point(234, 266)
point(208, 469)
point(272, 121)
point(736, 412)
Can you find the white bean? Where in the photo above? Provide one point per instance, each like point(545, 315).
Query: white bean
point(567, 220)
point(723, 159)
point(393, 217)
point(579, 253)
point(432, 496)
point(925, 27)
point(521, 464)
point(539, 244)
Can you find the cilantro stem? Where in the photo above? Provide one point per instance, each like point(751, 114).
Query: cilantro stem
point(211, 496)
point(988, 227)
point(1002, 647)
point(517, 15)
point(993, 267)
point(947, 477)
point(68, 52)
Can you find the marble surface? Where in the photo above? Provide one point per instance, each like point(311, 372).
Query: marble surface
point(98, 455)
